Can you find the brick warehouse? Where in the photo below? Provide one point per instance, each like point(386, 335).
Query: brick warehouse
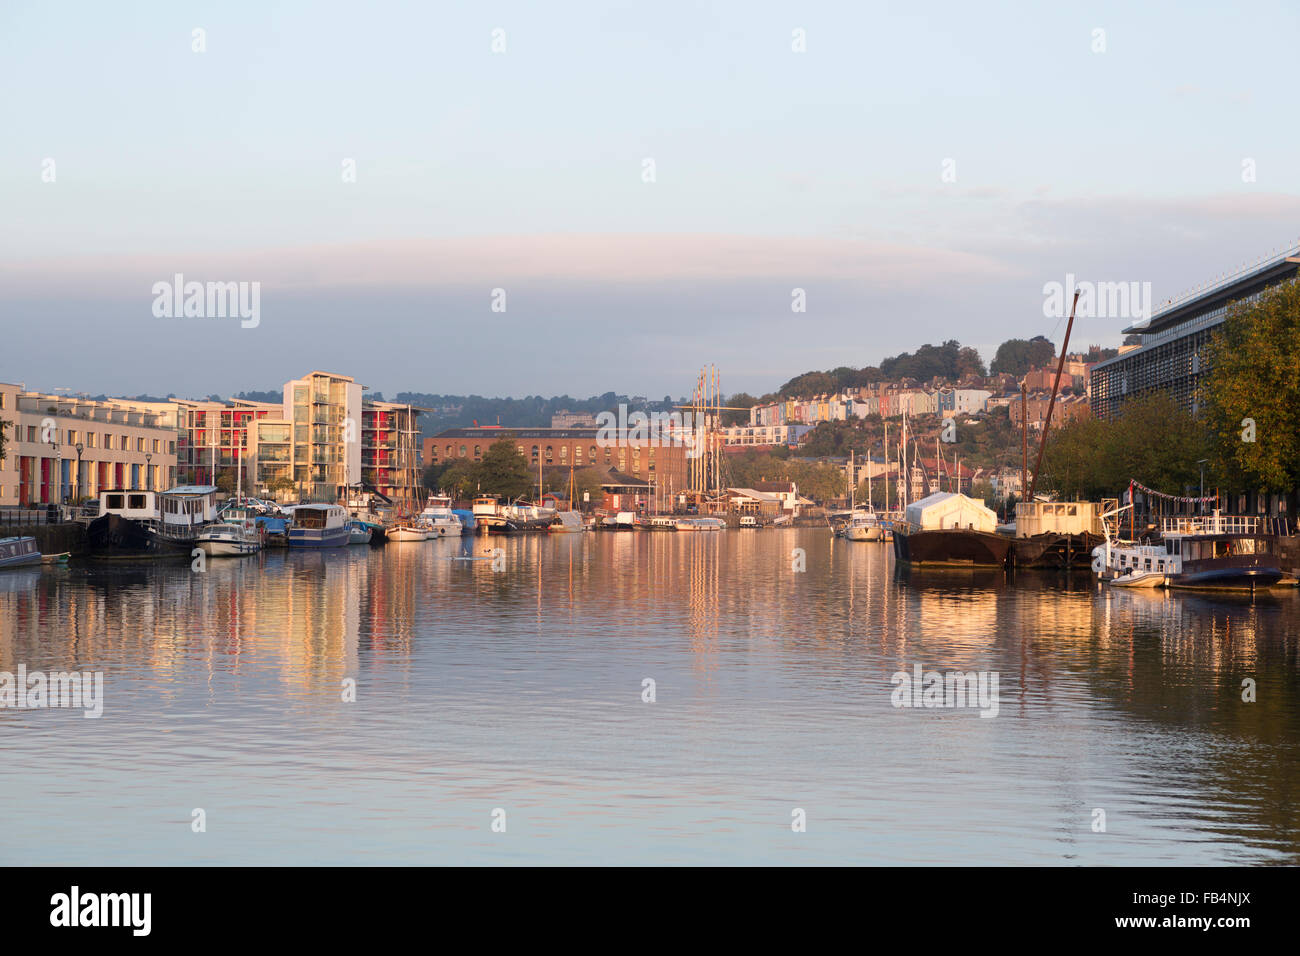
point(663, 464)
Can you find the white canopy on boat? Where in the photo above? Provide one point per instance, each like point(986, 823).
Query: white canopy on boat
point(947, 509)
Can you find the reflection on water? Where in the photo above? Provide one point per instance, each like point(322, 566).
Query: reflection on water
point(522, 689)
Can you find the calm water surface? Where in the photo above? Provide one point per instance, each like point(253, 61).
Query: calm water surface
point(522, 690)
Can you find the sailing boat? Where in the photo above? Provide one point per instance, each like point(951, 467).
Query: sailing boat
point(864, 524)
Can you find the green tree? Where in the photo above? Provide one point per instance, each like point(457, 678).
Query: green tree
point(504, 471)
point(1018, 356)
point(1254, 380)
point(1153, 440)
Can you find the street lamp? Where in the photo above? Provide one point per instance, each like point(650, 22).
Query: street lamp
point(148, 471)
point(58, 472)
point(1201, 503)
point(77, 489)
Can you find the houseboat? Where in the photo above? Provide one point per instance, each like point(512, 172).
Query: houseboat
point(1207, 551)
point(318, 526)
point(1059, 535)
point(18, 552)
point(134, 523)
point(948, 529)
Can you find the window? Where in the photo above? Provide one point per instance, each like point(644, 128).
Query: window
point(462, 451)
point(451, 450)
point(136, 502)
point(155, 444)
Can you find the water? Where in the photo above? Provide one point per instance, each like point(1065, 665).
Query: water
point(522, 690)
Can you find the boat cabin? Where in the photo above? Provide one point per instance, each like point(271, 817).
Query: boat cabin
point(1058, 517)
point(131, 503)
point(188, 507)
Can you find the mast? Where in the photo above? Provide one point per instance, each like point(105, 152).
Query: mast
point(1047, 423)
point(1024, 440)
point(886, 466)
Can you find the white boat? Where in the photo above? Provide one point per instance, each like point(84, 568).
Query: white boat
point(233, 538)
point(865, 526)
point(700, 524)
point(358, 532)
point(437, 517)
point(566, 522)
point(487, 513)
point(18, 552)
point(1203, 551)
point(408, 531)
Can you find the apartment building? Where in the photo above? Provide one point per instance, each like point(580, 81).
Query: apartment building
point(62, 448)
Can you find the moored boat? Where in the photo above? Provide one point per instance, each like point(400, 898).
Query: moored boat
point(318, 526)
point(1058, 535)
point(230, 538)
point(950, 529)
point(1227, 552)
point(437, 517)
point(701, 524)
point(359, 532)
point(19, 552)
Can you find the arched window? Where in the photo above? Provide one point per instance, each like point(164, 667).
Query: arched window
point(451, 451)
point(535, 451)
point(549, 455)
point(593, 452)
point(478, 452)
point(462, 451)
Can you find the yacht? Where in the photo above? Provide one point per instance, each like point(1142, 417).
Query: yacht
point(437, 517)
point(231, 537)
point(865, 526)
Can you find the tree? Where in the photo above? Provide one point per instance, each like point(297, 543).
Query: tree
point(1153, 440)
point(1018, 356)
point(4, 437)
point(225, 482)
point(504, 471)
point(1252, 392)
point(740, 400)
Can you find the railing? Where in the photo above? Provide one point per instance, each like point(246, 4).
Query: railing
point(1212, 524)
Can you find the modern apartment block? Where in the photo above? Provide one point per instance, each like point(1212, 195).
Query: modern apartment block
point(62, 448)
point(315, 442)
point(390, 452)
point(1174, 355)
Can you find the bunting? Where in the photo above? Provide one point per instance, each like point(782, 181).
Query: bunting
point(1181, 499)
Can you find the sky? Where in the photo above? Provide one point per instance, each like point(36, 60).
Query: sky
point(513, 198)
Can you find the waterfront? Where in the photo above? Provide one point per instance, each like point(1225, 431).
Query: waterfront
point(522, 689)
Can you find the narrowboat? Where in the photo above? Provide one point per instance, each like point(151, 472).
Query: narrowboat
point(18, 552)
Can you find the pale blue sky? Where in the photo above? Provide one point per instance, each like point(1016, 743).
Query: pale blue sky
point(1120, 165)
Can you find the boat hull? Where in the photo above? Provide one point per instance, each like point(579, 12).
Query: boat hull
point(318, 537)
point(113, 536)
point(952, 547)
point(1054, 551)
point(228, 549)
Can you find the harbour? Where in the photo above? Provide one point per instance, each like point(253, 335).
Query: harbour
point(523, 687)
